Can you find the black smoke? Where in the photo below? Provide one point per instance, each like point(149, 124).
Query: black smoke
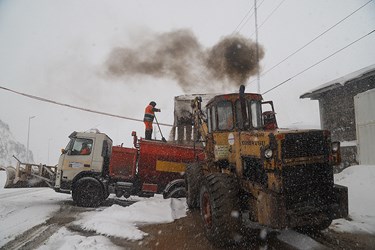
point(180, 56)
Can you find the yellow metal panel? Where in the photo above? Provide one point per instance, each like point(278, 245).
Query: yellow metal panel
point(170, 166)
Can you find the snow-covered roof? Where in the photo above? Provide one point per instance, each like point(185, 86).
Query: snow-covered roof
point(339, 82)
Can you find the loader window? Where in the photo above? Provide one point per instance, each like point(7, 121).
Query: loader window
point(256, 114)
point(213, 118)
point(240, 123)
point(225, 115)
point(209, 120)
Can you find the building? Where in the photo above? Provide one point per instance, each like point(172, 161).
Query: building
point(337, 112)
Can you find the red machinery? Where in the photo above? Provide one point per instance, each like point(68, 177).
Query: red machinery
point(153, 167)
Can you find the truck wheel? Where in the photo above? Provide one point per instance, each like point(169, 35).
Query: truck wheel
point(177, 192)
point(220, 209)
point(193, 177)
point(88, 192)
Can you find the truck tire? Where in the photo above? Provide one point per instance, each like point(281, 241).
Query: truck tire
point(177, 192)
point(220, 209)
point(88, 192)
point(175, 189)
point(193, 178)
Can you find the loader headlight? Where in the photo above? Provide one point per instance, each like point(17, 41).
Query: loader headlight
point(335, 146)
point(268, 153)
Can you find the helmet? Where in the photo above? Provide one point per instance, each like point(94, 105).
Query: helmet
point(153, 104)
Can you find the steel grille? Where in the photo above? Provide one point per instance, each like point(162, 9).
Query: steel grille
point(307, 185)
point(312, 143)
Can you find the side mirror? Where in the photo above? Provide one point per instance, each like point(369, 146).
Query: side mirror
point(63, 151)
point(135, 139)
point(335, 151)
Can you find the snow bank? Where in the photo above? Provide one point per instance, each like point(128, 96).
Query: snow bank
point(122, 222)
point(65, 239)
point(360, 181)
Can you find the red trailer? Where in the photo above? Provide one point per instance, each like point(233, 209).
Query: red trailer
point(152, 167)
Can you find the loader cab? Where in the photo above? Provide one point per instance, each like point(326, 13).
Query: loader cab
point(234, 112)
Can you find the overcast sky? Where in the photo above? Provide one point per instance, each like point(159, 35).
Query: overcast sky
point(58, 50)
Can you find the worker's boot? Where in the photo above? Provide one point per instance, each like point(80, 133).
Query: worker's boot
point(148, 134)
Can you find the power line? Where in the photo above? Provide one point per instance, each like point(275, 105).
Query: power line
point(247, 19)
point(301, 72)
point(268, 17)
point(75, 107)
point(304, 46)
point(235, 30)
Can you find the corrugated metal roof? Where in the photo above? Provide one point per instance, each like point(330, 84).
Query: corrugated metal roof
point(339, 82)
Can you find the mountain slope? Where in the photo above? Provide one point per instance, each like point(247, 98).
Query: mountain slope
point(9, 147)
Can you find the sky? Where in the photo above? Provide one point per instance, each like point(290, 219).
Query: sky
point(123, 222)
point(59, 50)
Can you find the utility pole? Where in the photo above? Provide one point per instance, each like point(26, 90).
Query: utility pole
point(28, 137)
point(49, 140)
point(256, 43)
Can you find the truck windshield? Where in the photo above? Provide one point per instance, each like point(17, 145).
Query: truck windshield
point(80, 146)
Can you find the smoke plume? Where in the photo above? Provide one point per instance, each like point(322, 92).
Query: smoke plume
point(179, 55)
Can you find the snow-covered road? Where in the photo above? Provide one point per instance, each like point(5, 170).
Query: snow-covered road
point(25, 209)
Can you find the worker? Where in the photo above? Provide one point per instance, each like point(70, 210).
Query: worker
point(149, 118)
point(85, 150)
point(269, 120)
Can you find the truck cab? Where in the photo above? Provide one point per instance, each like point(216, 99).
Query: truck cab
point(87, 153)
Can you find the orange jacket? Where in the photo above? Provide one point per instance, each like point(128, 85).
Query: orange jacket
point(149, 113)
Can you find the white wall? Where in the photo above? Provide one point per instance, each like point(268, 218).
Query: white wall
point(364, 106)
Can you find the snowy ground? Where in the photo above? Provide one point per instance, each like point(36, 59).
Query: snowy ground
point(21, 209)
point(360, 181)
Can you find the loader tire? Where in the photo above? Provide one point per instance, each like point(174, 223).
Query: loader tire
point(220, 209)
point(88, 192)
point(193, 178)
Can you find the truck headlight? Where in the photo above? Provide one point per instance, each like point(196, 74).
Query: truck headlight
point(335, 146)
point(268, 153)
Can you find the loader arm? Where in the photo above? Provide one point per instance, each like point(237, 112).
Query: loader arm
point(199, 119)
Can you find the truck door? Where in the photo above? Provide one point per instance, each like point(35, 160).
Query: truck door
point(77, 157)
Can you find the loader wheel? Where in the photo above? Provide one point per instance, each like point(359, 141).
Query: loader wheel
point(315, 228)
point(88, 192)
point(325, 224)
point(193, 178)
point(220, 209)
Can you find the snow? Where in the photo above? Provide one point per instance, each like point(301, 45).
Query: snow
point(22, 209)
point(348, 143)
point(339, 81)
point(360, 181)
point(65, 239)
point(122, 222)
